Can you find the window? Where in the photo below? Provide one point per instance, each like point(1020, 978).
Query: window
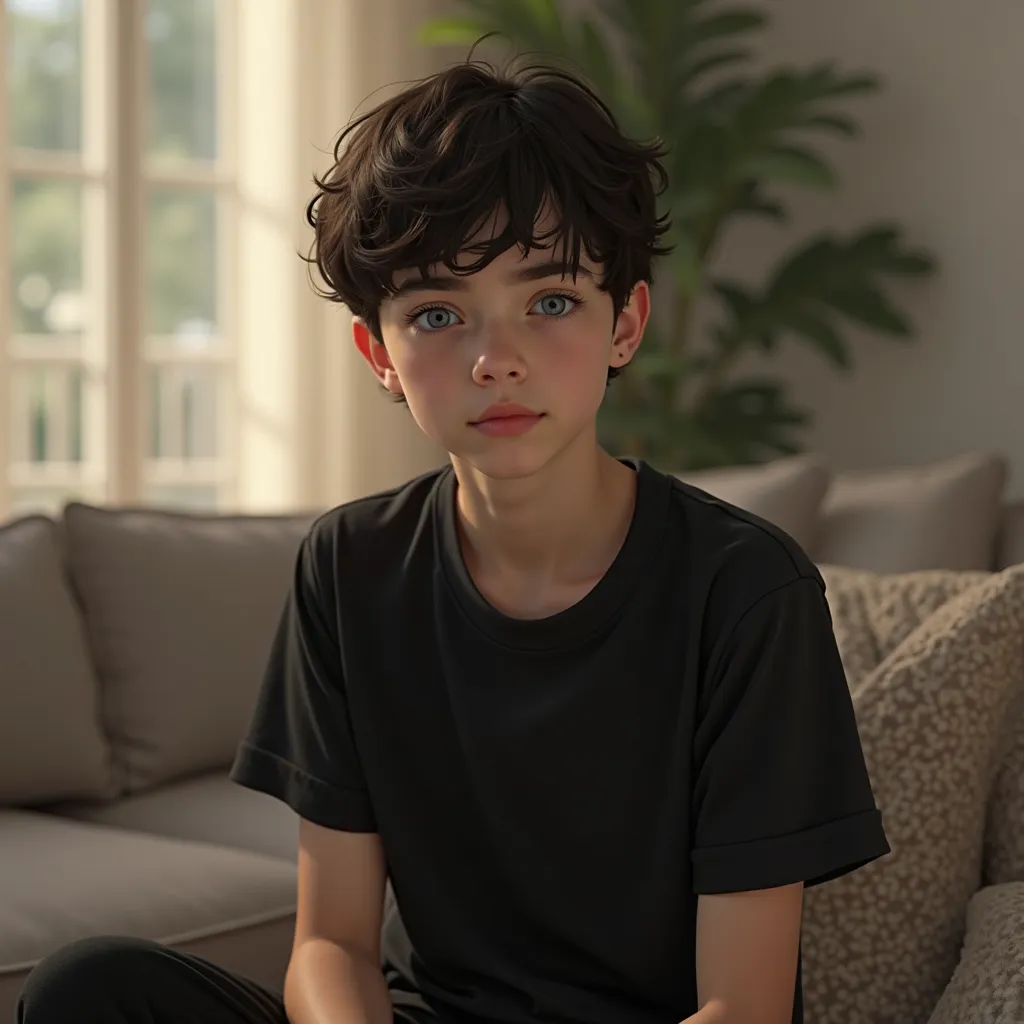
point(157, 340)
point(121, 225)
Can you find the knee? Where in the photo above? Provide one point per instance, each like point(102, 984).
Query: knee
point(77, 981)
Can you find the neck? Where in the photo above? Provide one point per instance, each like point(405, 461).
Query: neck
point(566, 522)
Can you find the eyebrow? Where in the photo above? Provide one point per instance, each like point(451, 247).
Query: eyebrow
point(452, 283)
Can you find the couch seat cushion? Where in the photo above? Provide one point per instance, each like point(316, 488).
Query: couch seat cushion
point(51, 745)
point(209, 808)
point(62, 880)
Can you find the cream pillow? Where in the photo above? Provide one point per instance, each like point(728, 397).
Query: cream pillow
point(51, 744)
point(787, 492)
point(935, 661)
point(180, 611)
point(1010, 543)
point(943, 516)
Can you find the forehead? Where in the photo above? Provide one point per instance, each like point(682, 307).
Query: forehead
point(514, 263)
point(513, 266)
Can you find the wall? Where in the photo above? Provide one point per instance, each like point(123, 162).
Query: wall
point(357, 54)
point(942, 152)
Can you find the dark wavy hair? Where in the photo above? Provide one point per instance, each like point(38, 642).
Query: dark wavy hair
point(424, 171)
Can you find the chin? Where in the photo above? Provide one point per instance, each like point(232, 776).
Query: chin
point(516, 462)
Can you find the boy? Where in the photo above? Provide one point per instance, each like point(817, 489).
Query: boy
point(590, 722)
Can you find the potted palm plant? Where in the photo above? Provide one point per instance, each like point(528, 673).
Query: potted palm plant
point(738, 137)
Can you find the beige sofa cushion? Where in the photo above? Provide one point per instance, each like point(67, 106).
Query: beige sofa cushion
point(934, 664)
point(989, 981)
point(51, 746)
point(207, 808)
point(943, 516)
point(180, 612)
point(75, 880)
point(1010, 542)
point(786, 492)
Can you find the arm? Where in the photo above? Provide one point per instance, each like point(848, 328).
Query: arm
point(747, 949)
point(334, 974)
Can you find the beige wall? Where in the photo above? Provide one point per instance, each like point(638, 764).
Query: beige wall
point(943, 152)
point(359, 52)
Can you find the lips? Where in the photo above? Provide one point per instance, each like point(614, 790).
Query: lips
point(507, 420)
point(506, 411)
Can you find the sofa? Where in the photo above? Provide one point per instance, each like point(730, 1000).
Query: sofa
point(132, 643)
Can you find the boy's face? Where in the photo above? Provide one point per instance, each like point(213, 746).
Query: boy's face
point(462, 350)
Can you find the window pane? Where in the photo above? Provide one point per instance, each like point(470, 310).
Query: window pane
point(181, 248)
point(47, 415)
point(44, 73)
point(182, 57)
point(46, 257)
point(183, 412)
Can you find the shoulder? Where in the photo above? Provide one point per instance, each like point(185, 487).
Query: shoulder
point(736, 558)
point(374, 529)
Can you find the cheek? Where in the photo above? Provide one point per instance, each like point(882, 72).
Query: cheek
point(430, 379)
point(428, 391)
point(421, 367)
point(581, 356)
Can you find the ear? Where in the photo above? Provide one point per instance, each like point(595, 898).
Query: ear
point(629, 327)
point(376, 355)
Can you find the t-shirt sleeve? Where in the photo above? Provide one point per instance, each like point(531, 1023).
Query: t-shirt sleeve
point(781, 790)
point(300, 746)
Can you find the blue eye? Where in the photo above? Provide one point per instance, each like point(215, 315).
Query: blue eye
point(432, 319)
point(552, 305)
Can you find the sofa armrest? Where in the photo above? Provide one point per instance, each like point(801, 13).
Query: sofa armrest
point(988, 984)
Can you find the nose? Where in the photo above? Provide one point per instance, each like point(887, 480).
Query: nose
point(498, 362)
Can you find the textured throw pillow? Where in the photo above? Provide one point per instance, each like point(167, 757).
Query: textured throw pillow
point(787, 492)
point(943, 516)
point(935, 663)
point(988, 984)
point(1004, 844)
point(873, 614)
point(180, 612)
point(1004, 837)
point(877, 614)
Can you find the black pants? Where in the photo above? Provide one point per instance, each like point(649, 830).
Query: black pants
point(115, 980)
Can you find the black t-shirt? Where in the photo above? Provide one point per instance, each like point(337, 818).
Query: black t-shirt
point(552, 795)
